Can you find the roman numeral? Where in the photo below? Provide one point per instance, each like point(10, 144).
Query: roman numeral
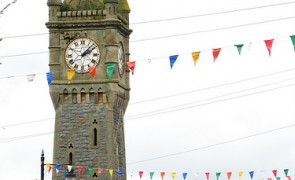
point(82, 41)
point(71, 61)
point(93, 61)
point(76, 44)
point(94, 54)
point(76, 66)
point(70, 55)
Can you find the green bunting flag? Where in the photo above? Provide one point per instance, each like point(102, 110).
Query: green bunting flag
point(152, 174)
point(286, 171)
point(90, 170)
point(111, 68)
point(217, 175)
point(239, 47)
point(293, 41)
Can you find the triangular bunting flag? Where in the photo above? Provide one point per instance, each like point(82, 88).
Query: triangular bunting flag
point(196, 56)
point(71, 74)
point(278, 178)
point(217, 175)
point(111, 68)
point(80, 168)
point(140, 174)
point(151, 175)
point(228, 175)
point(274, 172)
point(173, 60)
point(268, 44)
point(90, 170)
point(30, 77)
point(111, 171)
point(207, 175)
point(240, 174)
point(286, 171)
point(173, 174)
point(184, 175)
point(251, 173)
point(215, 53)
point(288, 177)
point(293, 41)
point(131, 66)
point(120, 172)
point(162, 175)
point(99, 171)
point(239, 47)
point(70, 168)
point(92, 71)
point(49, 77)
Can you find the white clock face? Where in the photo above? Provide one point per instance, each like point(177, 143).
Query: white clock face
point(81, 54)
point(121, 59)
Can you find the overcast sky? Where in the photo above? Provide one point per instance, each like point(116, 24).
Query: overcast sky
point(234, 115)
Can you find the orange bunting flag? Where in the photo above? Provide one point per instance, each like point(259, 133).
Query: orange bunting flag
point(80, 169)
point(111, 172)
point(269, 178)
point(140, 174)
point(131, 66)
point(173, 174)
point(207, 175)
point(99, 171)
point(215, 53)
point(162, 175)
point(92, 71)
point(268, 44)
point(274, 172)
point(71, 74)
point(229, 175)
point(196, 56)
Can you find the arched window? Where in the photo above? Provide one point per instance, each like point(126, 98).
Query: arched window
point(99, 97)
point(83, 96)
point(74, 96)
point(66, 96)
point(95, 137)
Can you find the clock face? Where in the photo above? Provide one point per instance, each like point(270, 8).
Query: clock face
point(121, 59)
point(81, 54)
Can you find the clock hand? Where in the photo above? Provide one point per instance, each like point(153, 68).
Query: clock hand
point(88, 50)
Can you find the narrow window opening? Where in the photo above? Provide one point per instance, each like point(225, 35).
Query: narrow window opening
point(95, 137)
point(74, 96)
point(71, 158)
point(66, 97)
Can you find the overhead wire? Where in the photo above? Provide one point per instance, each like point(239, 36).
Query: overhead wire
point(182, 93)
point(213, 145)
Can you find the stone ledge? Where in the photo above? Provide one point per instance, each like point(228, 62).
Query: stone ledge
point(81, 13)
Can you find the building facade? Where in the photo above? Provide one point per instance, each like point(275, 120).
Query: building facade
point(88, 37)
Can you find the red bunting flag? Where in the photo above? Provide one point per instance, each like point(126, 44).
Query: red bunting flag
point(229, 175)
point(288, 177)
point(140, 174)
point(162, 175)
point(207, 175)
point(215, 53)
point(92, 71)
point(131, 66)
point(268, 44)
point(80, 169)
point(274, 172)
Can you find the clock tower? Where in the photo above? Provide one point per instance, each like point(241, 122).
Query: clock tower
point(89, 38)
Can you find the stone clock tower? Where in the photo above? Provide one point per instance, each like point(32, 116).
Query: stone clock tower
point(87, 37)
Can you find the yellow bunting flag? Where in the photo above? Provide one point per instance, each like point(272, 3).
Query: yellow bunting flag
point(196, 56)
point(240, 174)
point(71, 74)
point(111, 172)
point(173, 174)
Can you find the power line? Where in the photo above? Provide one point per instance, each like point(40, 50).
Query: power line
point(214, 13)
point(212, 145)
point(183, 93)
point(168, 110)
point(211, 30)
